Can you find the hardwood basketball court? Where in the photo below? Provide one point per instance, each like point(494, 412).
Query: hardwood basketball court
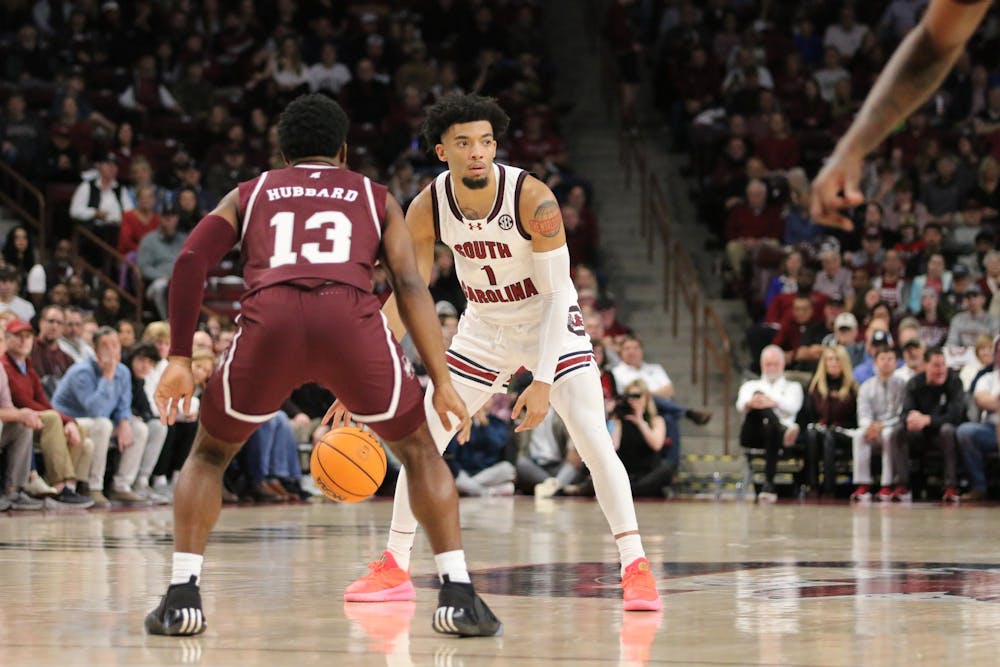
point(788, 584)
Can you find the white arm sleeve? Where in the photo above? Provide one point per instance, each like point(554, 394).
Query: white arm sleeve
point(558, 294)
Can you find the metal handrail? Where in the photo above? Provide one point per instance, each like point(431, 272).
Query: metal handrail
point(17, 189)
point(685, 285)
point(81, 232)
point(721, 357)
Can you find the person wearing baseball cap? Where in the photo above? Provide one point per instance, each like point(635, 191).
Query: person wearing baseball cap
point(972, 321)
point(845, 333)
point(98, 205)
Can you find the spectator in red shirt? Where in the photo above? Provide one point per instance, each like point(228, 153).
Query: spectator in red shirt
point(47, 357)
point(581, 241)
point(779, 149)
point(751, 225)
point(67, 455)
point(139, 221)
point(537, 145)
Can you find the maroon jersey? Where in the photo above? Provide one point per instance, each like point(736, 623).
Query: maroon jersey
point(310, 223)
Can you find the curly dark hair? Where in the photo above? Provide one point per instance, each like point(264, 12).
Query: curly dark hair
point(455, 109)
point(312, 124)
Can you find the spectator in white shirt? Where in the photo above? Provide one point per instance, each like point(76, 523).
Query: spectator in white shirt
point(98, 205)
point(633, 367)
point(9, 300)
point(770, 406)
point(846, 35)
point(831, 72)
point(979, 437)
point(328, 75)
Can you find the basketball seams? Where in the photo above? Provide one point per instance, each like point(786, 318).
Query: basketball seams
point(348, 452)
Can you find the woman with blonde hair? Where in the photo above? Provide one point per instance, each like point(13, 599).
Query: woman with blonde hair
point(639, 435)
point(833, 395)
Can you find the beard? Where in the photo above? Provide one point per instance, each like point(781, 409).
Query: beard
point(475, 183)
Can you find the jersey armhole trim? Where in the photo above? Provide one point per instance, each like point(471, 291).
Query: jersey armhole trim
point(436, 212)
point(242, 220)
point(501, 185)
point(517, 206)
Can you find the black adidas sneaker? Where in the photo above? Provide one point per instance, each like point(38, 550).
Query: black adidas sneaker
point(179, 612)
point(461, 612)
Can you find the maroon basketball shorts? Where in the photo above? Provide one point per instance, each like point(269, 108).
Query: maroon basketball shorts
point(333, 335)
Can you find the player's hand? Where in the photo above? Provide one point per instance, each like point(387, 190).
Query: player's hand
point(338, 415)
point(837, 187)
point(446, 400)
point(535, 401)
point(174, 391)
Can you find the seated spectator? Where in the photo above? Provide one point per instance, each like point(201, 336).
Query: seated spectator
point(19, 253)
point(931, 243)
point(157, 254)
point(128, 333)
point(913, 349)
point(138, 222)
point(831, 72)
point(933, 407)
point(482, 462)
point(110, 308)
point(60, 265)
point(799, 227)
point(780, 308)
point(305, 407)
point(942, 195)
point(833, 396)
point(72, 342)
point(146, 94)
point(834, 279)
point(871, 257)
point(971, 322)
point(786, 282)
point(328, 74)
point(905, 210)
point(142, 177)
point(98, 394)
point(99, 205)
point(639, 434)
point(779, 149)
point(845, 334)
point(876, 335)
point(50, 362)
point(141, 362)
point(18, 427)
point(10, 278)
point(979, 437)
point(66, 453)
point(954, 300)
point(751, 225)
point(546, 458)
point(801, 339)
point(932, 318)
point(880, 401)
point(769, 406)
point(984, 357)
point(847, 35)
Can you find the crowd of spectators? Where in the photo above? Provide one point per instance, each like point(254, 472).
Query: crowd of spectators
point(135, 118)
point(756, 95)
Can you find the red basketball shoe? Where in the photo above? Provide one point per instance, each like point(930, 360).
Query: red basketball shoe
point(385, 582)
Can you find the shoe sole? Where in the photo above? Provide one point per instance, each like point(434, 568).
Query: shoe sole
point(404, 592)
point(643, 605)
point(155, 626)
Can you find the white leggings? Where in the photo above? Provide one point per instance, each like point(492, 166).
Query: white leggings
point(579, 401)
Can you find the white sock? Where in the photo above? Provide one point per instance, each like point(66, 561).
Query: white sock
point(400, 545)
point(186, 565)
point(629, 549)
point(452, 563)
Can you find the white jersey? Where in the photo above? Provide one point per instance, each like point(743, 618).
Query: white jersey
point(493, 259)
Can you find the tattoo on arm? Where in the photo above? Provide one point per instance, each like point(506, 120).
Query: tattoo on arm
point(547, 220)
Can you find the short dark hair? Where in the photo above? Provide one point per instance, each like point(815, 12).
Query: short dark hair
point(454, 109)
point(147, 350)
point(9, 274)
point(933, 352)
point(312, 124)
point(882, 349)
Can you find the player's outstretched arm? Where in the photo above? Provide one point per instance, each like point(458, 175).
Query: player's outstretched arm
point(207, 244)
point(416, 311)
point(550, 260)
point(420, 221)
point(915, 70)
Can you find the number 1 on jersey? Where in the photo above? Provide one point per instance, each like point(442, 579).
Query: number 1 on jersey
point(338, 232)
point(489, 274)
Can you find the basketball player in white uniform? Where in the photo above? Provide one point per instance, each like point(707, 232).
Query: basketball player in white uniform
point(506, 232)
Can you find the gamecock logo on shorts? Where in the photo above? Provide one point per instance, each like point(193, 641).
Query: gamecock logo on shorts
point(574, 321)
point(506, 222)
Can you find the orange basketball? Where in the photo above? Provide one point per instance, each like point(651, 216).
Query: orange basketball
point(348, 464)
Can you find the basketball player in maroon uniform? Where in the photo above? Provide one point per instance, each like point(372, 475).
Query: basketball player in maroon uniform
point(915, 70)
point(310, 234)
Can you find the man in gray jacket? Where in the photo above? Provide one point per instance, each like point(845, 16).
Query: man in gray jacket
point(158, 252)
point(880, 402)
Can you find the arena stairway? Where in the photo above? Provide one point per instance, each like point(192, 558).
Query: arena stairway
point(591, 132)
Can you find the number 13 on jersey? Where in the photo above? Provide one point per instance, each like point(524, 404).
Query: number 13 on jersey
point(337, 227)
